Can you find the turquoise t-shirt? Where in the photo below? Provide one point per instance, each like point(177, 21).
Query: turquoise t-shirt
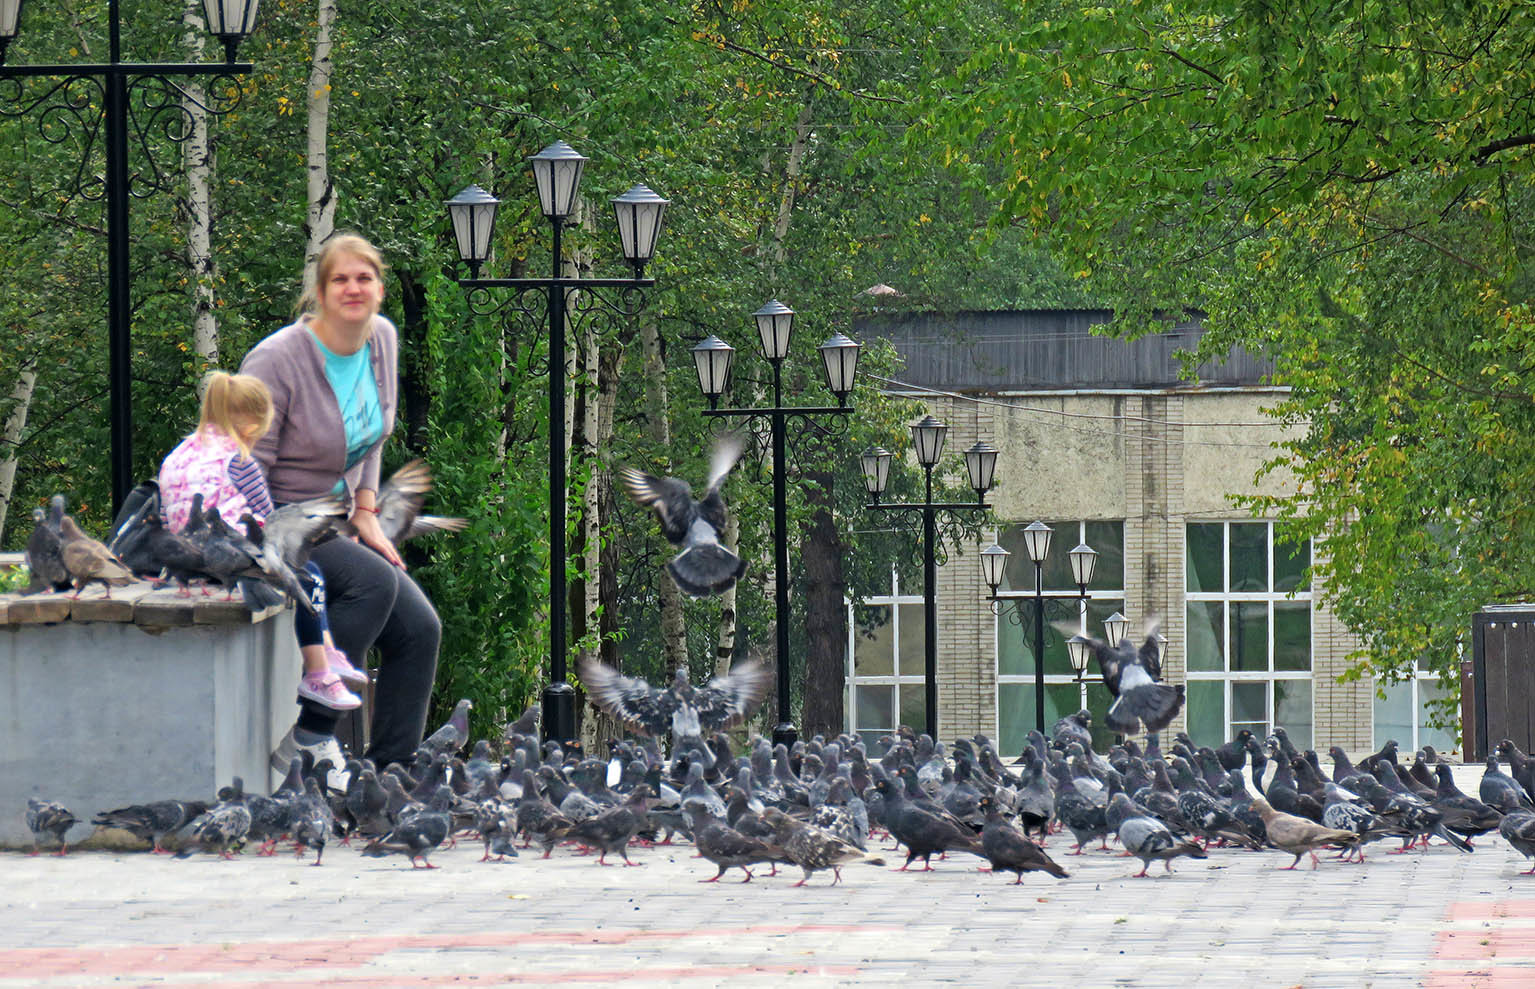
point(351, 378)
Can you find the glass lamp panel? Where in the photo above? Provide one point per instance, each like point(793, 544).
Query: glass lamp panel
point(230, 17)
point(1394, 714)
point(1249, 556)
point(1292, 710)
point(10, 18)
point(1084, 564)
point(874, 653)
point(1036, 541)
point(712, 358)
point(639, 212)
point(874, 707)
point(875, 464)
point(473, 212)
point(914, 705)
point(1202, 557)
point(1206, 637)
point(1292, 635)
point(1098, 611)
point(1206, 708)
point(1249, 636)
point(557, 173)
point(1290, 562)
point(981, 466)
point(994, 561)
point(927, 437)
point(839, 356)
point(775, 324)
point(911, 654)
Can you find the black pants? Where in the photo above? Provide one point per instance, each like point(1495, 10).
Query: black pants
point(371, 603)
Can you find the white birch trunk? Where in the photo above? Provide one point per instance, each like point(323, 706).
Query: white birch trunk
point(674, 646)
point(199, 167)
point(15, 423)
point(320, 220)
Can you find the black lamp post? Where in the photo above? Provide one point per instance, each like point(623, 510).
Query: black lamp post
point(143, 96)
point(714, 359)
point(557, 172)
point(1084, 559)
point(927, 438)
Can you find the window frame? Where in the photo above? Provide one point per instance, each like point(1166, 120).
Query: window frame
point(893, 681)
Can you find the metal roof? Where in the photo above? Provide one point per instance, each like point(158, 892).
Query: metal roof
point(1047, 349)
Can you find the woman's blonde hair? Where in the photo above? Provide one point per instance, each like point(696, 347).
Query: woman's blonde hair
point(232, 399)
point(339, 246)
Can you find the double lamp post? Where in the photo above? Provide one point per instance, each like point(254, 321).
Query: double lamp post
point(115, 97)
point(557, 173)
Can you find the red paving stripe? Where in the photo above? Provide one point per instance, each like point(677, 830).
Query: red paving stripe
point(1504, 943)
point(1482, 910)
point(673, 974)
point(338, 952)
point(1486, 978)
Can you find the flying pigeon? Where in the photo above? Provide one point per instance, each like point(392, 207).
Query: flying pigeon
point(704, 566)
point(1134, 678)
point(88, 561)
point(399, 507)
point(44, 553)
point(47, 817)
point(684, 710)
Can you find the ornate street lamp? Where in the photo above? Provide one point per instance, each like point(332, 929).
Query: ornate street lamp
point(117, 115)
point(557, 171)
point(927, 439)
point(713, 359)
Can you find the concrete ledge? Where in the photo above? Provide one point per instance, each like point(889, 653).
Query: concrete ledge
point(100, 714)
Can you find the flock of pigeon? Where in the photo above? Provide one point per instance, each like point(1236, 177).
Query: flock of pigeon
point(259, 559)
point(818, 805)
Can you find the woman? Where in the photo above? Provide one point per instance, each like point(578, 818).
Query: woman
point(333, 379)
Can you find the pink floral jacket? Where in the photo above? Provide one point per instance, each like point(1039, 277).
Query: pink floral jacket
point(209, 462)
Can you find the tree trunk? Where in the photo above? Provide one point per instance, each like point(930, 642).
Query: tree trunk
point(825, 614)
point(199, 168)
point(674, 644)
point(15, 423)
point(415, 393)
point(320, 220)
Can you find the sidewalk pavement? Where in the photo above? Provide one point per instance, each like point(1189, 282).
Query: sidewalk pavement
point(1438, 918)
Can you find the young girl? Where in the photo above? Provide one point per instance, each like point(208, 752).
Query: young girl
point(215, 461)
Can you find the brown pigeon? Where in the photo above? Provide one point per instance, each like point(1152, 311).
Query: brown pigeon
point(88, 560)
point(1299, 836)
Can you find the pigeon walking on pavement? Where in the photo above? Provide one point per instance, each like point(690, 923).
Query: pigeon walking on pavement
point(704, 566)
point(151, 822)
point(812, 849)
point(1008, 850)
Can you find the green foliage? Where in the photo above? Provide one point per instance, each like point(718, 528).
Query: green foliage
point(1345, 188)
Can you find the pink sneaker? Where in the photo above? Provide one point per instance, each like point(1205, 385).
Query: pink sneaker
point(343, 668)
point(326, 688)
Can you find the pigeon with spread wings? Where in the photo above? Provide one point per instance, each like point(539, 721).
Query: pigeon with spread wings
point(684, 710)
point(704, 566)
point(1134, 678)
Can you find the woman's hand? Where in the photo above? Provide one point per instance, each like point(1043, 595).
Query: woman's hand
point(365, 521)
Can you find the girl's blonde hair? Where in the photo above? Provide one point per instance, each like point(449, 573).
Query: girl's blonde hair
point(232, 399)
point(339, 246)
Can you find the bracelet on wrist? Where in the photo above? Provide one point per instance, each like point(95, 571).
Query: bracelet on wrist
point(365, 508)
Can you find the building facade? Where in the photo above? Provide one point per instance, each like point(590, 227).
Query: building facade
point(1104, 441)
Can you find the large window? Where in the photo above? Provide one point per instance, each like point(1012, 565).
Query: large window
point(886, 682)
point(1248, 632)
point(1403, 714)
point(1063, 606)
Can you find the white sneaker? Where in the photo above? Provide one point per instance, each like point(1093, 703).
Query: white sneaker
point(326, 748)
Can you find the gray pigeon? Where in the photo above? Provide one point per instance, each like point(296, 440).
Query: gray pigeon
point(153, 821)
point(1149, 839)
point(417, 835)
point(47, 817)
point(1518, 829)
point(451, 737)
point(219, 830)
point(704, 566)
point(310, 820)
point(44, 552)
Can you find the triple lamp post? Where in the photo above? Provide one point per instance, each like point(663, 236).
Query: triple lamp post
point(927, 438)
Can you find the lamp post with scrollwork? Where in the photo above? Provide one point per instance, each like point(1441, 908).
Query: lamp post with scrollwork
point(557, 172)
point(120, 100)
